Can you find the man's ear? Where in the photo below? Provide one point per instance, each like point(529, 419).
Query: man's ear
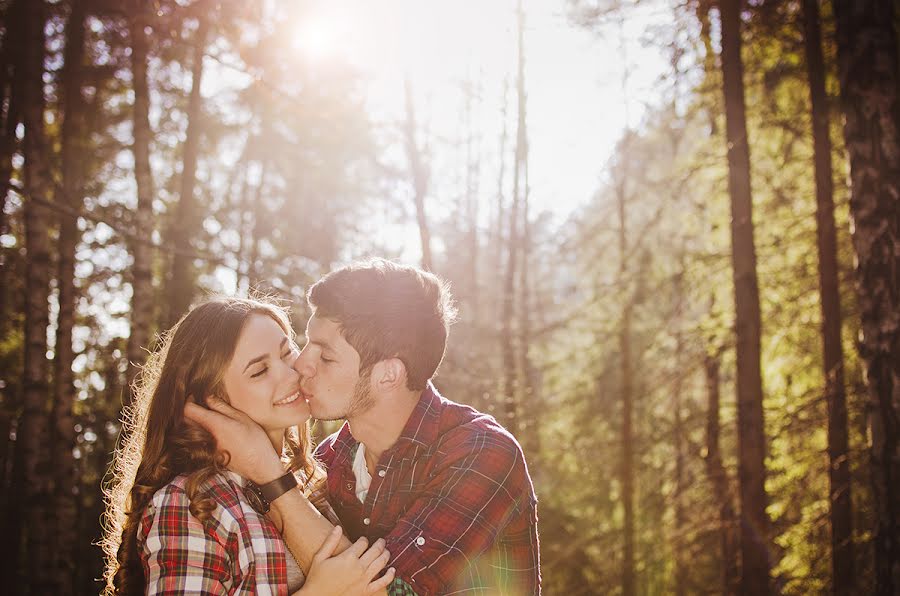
point(389, 374)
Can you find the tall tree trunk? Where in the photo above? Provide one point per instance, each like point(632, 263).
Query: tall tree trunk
point(681, 571)
point(141, 272)
point(507, 332)
point(709, 54)
point(11, 89)
point(181, 283)
point(63, 437)
point(869, 78)
point(627, 396)
point(755, 567)
point(471, 206)
point(497, 240)
point(33, 477)
point(419, 175)
point(833, 355)
point(254, 275)
point(718, 478)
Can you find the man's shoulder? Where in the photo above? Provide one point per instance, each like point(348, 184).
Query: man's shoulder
point(466, 433)
point(460, 423)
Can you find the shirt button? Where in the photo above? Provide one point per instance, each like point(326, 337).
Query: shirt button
point(349, 486)
point(367, 521)
point(420, 540)
point(381, 473)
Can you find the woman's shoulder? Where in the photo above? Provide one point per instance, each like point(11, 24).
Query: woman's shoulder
point(223, 487)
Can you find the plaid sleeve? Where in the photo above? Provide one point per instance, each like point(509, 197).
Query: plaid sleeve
point(441, 543)
point(180, 556)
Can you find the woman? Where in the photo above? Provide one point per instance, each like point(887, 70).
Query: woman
point(177, 520)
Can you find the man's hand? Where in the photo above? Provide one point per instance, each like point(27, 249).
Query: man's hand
point(251, 452)
point(354, 571)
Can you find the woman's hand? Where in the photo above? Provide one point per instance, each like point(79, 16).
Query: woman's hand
point(351, 572)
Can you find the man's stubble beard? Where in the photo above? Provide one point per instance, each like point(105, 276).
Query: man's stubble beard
point(360, 402)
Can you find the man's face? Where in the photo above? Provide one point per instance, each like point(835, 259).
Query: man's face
point(329, 371)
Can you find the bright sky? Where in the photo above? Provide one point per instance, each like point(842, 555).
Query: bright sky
point(576, 105)
point(574, 82)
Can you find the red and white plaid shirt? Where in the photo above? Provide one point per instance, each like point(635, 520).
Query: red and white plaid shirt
point(236, 551)
point(452, 498)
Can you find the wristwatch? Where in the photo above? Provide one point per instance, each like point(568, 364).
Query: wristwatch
point(261, 497)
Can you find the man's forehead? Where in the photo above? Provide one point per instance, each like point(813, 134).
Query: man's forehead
point(320, 330)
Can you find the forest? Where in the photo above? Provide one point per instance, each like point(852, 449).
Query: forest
point(671, 228)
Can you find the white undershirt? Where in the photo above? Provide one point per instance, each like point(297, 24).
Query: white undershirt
point(361, 471)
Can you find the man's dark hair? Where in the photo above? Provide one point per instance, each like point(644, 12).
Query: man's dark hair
point(387, 310)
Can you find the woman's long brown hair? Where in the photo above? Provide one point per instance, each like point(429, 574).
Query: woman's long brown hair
point(157, 443)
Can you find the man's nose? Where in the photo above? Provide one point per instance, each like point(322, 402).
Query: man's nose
point(303, 364)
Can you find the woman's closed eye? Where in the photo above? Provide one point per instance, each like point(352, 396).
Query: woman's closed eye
point(261, 372)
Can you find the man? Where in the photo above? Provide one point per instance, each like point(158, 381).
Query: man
point(444, 485)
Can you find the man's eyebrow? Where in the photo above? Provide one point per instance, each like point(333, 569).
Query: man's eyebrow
point(322, 344)
point(262, 357)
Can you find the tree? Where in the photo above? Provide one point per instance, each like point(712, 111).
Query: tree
point(833, 356)
point(419, 174)
point(32, 479)
point(141, 273)
point(186, 220)
point(754, 520)
point(869, 80)
point(63, 435)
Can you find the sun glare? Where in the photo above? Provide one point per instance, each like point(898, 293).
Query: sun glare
point(317, 37)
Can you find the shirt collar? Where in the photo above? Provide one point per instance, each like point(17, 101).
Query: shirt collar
point(420, 431)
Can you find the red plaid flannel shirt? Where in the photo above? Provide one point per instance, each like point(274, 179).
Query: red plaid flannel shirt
point(452, 498)
point(236, 551)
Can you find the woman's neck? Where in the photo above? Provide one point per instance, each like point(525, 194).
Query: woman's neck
point(277, 438)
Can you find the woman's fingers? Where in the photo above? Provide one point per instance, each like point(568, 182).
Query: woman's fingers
point(373, 553)
point(382, 582)
point(378, 563)
point(357, 549)
point(328, 547)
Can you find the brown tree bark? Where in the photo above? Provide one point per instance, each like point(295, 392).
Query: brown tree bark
point(833, 355)
point(511, 384)
point(626, 472)
point(33, 480)
point(869, 80)
point(11, 89)
point(678, 432)
point(141, 273)
point(718, 478)
point(497, 240)
point(419, 175)
point(63, 437)
point(755, 524)
point(186, 220)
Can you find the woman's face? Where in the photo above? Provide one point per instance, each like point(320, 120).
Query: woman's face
point(260, 380)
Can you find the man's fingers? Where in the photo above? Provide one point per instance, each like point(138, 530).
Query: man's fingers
point(382, 582)
point(328, 547)
point(373, 553)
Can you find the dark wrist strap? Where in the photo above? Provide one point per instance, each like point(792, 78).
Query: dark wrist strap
point(272, 490)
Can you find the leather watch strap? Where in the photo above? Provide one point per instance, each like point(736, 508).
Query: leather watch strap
point(274, 489)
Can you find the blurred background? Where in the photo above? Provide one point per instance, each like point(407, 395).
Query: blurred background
point(685, 380)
